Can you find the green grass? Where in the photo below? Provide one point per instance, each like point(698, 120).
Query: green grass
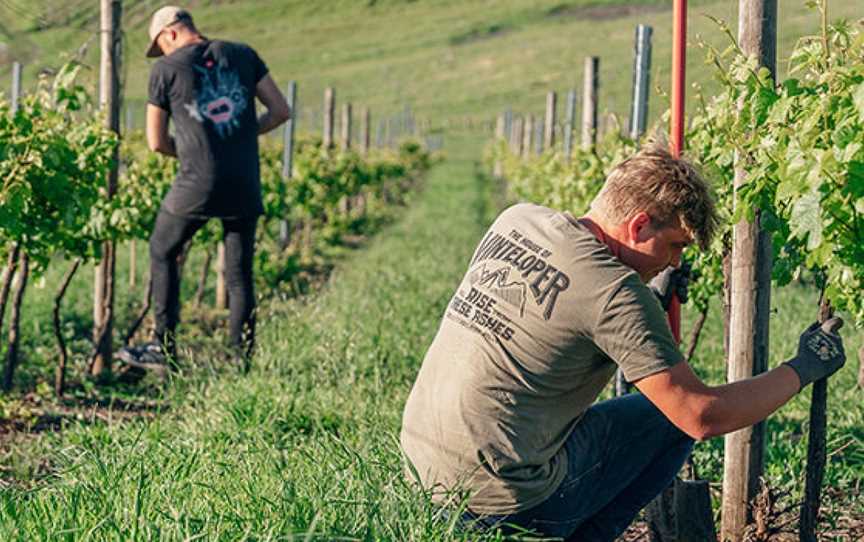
point(449, 60)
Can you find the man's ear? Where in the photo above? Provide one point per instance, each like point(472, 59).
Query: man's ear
point(638, 225)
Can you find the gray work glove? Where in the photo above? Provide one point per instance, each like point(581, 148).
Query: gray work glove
point(820, 352)
point(672, 280)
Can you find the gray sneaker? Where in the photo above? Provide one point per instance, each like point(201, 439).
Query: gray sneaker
point(148, 356)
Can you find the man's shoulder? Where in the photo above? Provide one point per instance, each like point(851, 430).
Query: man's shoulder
point(525, 209)
point(231, 46)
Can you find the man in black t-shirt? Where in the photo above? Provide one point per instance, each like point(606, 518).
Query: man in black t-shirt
point(208, 88)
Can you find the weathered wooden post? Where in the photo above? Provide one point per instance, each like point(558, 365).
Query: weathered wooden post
point(508, 122)
point(109, 102)
point(551, 117)
point(538, 136)
point(750, 299)
point(641, 81)
point(391, 131)
point(380, 128)
point(516, 136)
point(527, 134)
point(346, 126)
point(498, 167)
point(16, 86)
point(329, 109)
point(364, 130)
point(589, 102)
point(288, 156)
point(569, 122)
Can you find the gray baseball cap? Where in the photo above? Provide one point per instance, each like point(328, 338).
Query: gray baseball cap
point(162, 19)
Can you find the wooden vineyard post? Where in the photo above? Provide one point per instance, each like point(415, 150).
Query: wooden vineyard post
point(508, 123)
point(589, 102)
point(16, 86)
point(538, 137)
point(498, 167)
point(551, 116)
point(346, 126)
point(364, 130)
point(345, 145)
point(516, 137)
point(569, 121)
point(380, 130)
point(750, 299)
point(527, 135)
point(221, 288)
point(109, 101)
point(288, 157)
point(641, 81)
point(329, 109)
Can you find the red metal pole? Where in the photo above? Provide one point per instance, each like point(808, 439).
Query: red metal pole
point(676, 136)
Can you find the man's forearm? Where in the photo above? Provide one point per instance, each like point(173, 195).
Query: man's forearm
point(746, 402)
point(269, 121)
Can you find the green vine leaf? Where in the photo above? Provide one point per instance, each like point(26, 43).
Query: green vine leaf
point(806, 220)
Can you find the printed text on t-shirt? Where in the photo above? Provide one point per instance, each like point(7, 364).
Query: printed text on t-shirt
point(529, 258)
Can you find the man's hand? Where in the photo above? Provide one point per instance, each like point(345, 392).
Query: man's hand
point(820, 352)
point(672, 280)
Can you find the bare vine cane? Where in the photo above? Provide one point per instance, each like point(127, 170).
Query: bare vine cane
point(816, 448)
point(60, 372)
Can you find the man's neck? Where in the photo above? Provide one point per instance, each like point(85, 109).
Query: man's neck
point(188, 39)
point(602, 232)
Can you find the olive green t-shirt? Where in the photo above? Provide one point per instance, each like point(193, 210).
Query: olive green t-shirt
point(543, 317)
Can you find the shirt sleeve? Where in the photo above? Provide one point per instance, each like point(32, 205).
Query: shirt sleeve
point(158, 88)
point(634, 332)
point(259, 68)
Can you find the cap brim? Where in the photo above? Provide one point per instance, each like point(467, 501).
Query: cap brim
point(154, 50)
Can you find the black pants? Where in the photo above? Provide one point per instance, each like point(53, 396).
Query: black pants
point(170, 234)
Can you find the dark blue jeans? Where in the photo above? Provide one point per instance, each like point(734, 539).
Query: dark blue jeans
point(621, 455)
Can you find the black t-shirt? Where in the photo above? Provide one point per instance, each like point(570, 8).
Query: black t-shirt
point(208, 88)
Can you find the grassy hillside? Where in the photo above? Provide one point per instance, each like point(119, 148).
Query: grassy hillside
point(446, 58)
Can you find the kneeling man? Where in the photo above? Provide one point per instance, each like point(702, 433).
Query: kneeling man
point(551, 305)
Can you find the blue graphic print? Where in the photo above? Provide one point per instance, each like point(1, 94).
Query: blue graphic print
point(221, 98)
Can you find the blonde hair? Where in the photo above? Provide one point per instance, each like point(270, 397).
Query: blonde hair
point(663, 186)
